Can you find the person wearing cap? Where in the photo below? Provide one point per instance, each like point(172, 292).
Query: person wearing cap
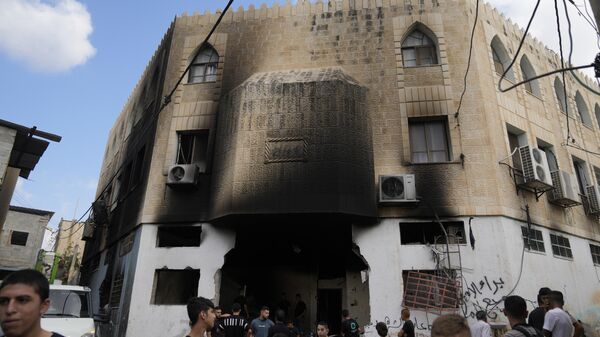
point(481, 328)
point(536, 317)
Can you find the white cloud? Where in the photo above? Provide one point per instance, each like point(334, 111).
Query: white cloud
point(544, 27)
point(48, 37)
point(21, 192)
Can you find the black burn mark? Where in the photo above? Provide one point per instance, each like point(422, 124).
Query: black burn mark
point(436, 191)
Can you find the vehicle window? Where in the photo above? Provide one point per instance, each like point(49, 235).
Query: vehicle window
point(68, 303)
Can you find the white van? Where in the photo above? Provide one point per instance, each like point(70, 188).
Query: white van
point(70, 313)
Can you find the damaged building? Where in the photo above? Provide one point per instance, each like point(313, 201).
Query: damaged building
point(317, 149)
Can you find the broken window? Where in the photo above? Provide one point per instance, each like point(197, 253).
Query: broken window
point(595, 250)
point(533, 241)
point(430, 289)
point(431, 232)
point(418, 49)
point(192, 149)
point(179, 236)
point(19, 238)
point(136, 175)
point(175, 286)
point(561, 246)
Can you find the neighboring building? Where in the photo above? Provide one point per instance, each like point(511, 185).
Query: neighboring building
point(21, 238)
point(285, 163)
point(69, 246)
point(20, 150)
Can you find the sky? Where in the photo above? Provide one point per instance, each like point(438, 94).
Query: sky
point(68, 66)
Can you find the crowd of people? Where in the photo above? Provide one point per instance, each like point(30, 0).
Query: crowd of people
point(24, 300)
point(549, 319)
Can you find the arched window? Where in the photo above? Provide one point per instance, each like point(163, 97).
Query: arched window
point(597, 113)
point(501, 59)
point(528, 72)
point(418, 49)
point(559, 90)
point(583, 110)
point(204, 66)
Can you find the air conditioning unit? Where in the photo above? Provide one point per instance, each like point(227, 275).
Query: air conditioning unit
point(565, 192)
point(536, 173)
point(593, 199)
point(397, 188)
point(88, 230)
point(183, 176)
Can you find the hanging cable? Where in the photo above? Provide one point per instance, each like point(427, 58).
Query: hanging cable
point(562, 64)
point(520, 46)
point(462, 95)
point(166, 101)
point(596, 63)
point(594, 27)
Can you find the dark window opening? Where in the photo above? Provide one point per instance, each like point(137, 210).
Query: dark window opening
point(137, 169)
point(192, 149)
point(19, 238)
point(581, 174)
point(179, 236)
point(124, 179)
point(533, 241)
point(431, 233)
point(175, 286)
point(595, 250)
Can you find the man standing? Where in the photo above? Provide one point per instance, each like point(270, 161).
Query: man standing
point(557, 322)
point(536, 317)
point(515, 309)
point(451, 325)
point(23, 301)
point(381, 329)
point(260, 326)
point(349, 326)
point(216, 330)
point(284, 304)
point(234, 325)
point(408, 328)
point(299, 313)
point(279, 329)
point(201, 312)
point(322, 329)
point(481, 328)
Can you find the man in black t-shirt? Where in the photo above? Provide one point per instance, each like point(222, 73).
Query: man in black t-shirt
point(408, 329)
point(536, 317)
point(279, 329)
point(350, 327)
point(234, 325)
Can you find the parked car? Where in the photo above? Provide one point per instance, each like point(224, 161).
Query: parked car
point(70, 313)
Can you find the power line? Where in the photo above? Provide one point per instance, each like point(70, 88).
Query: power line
point(468, 61)
point(584, 16)
point(562, 64)
point(519, 48)
point(166, 101)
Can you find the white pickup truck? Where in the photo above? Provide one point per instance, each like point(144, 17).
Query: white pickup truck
point(70, 313)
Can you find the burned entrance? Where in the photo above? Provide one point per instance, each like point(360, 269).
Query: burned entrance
point(271, 263)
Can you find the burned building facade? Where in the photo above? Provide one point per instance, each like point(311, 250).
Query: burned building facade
point(316, 149)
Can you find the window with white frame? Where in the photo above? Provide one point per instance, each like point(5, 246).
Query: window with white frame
point(561, 246)
point(192, 147)
point(418, 49)
point(204, 66)
point(501, 58)
point(429, 141)
point(595, 250)
point(532, 239)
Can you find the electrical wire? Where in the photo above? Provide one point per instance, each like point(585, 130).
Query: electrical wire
point(520, 46)
point(462, 95)
point(582, 83)
point(166, 101)
point(584, 16)
point(562, 64)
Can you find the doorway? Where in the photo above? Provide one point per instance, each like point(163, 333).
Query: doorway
point(329, 307)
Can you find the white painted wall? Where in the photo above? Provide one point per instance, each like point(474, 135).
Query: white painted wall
point(146, 319)
point(490, 272)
